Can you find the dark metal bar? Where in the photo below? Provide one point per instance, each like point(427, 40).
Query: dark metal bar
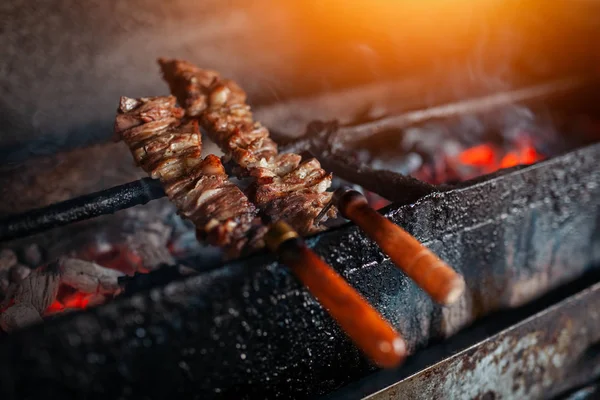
point(80, 208)
point(559, 364)
point(470, 106)
point(337, 136)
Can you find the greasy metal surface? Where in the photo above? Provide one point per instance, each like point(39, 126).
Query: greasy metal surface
point(250, 329)
point(538, 358)
point(80, 208)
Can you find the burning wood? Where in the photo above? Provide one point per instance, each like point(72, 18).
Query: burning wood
point(65, 284)
point(39, 289)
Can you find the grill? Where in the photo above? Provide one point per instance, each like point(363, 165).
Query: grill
point(526, 238)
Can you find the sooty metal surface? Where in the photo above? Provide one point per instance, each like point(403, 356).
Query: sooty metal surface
point(250, 329)
point(543, 356)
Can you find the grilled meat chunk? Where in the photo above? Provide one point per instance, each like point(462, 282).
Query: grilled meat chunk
point(169, 148)
point(284, 187)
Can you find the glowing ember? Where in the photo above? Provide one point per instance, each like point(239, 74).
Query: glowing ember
point(71, 299)
point(487, 158)
point(117, 257)
point(482, 155)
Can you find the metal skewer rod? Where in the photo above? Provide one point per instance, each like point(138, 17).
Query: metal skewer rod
point(434, 276)
point(80, 208)
point(361, 322)
point(474, 105)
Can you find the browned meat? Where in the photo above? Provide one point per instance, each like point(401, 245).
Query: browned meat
point(191, 85)
point(284, 188)
point(169, 149)
point(219, 209)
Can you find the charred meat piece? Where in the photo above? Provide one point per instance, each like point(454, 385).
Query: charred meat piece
point(222, 213)
point(284, 189)
point(169, 148)
point(160, 143)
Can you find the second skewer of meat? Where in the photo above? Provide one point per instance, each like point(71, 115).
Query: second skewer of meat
point(170, 149)
point(285, 187)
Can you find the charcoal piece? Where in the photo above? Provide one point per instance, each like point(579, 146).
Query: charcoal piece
point(39, 289)
point(89, 277)
point(150, 244)
point(19, 273)
point(153, 256)
point(19, 316)
point(8, 259)
point(32, 255)
point(4, 283)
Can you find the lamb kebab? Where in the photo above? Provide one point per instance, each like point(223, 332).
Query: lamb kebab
point(285, 187)
point(291, 190)
point(169, 148)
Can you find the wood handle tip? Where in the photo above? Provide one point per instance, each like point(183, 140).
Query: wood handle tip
point(452, 291)
point(391, 353)
point(369, 331)
point(434, 276)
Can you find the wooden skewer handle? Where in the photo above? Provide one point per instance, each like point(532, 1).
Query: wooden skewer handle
point(361, 322)
point(433, 275)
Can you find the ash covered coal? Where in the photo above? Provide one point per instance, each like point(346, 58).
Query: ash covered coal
point(93, 257)
point(472, 145)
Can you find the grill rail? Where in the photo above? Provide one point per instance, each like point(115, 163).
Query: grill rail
point(80, 208)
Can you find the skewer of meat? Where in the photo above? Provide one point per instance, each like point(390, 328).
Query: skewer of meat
point(285, 188)
point(169, 148)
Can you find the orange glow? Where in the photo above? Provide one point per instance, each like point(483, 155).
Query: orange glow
point(70, 299)
point(479, 156)
point(522, 156)
point(509, 160)
point(78, 300)
point(484, 157)
point(55, 307)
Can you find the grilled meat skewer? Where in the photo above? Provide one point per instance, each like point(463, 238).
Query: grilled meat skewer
point(285, 188)
point(169, 148)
